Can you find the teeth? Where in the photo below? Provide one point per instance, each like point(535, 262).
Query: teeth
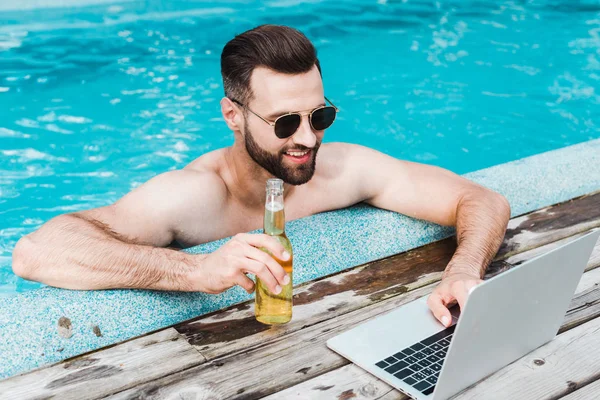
point(297, 153)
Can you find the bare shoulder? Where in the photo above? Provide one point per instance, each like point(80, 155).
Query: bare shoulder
point(351, 173)
point(336, 149)
point(199, 181)
point(157, 211)
point(345, 150)
point(183, 189)
point(339, 176)
point(209, 162)
point(174, 196)
point(337, 159)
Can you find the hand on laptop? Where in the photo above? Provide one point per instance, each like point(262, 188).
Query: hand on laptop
point(453, 288)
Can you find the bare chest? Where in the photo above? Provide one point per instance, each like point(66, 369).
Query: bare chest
point(237, 217)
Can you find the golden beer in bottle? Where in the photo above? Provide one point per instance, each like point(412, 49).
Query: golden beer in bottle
point(274, 308)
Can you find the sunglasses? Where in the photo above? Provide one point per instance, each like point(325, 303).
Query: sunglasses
point(286, 125)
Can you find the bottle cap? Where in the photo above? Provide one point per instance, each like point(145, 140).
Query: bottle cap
point(275, 185)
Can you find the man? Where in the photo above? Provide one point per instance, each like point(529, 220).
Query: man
point(268, 72)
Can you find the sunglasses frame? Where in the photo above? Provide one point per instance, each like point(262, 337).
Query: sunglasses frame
point(273, 123)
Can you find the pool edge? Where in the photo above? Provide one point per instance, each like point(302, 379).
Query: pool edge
point(28, 321)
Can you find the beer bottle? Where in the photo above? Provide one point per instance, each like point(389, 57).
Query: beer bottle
point(274, 308)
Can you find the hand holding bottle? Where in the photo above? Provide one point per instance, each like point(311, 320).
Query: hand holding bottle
point(275, 307)
point(228, 266)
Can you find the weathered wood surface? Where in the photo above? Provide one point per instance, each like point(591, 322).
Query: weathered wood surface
point(289, 360)
point(353, 382)
point(347, 382)
point(587, 392)
point(244, 359)
point(274, 366)
point(104, 372)
point(551, 224)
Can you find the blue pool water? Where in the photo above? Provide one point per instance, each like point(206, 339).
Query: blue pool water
point(97, 99)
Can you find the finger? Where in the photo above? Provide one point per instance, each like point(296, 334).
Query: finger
point(264, 273)
point(246, 283)
point(276, 270)
point(437, 306)
point(268, 242)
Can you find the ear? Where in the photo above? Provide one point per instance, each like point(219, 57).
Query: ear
point(231, 114)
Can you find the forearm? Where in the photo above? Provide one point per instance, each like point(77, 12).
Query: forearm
point(481, 220)
point(75, 253)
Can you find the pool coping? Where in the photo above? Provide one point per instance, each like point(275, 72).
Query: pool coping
point(323, 244)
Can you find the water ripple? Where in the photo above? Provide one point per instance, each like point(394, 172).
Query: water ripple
point(96, 100)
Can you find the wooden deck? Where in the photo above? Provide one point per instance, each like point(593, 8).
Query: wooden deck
point(227, 354)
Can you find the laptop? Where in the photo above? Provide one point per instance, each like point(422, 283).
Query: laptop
point(504, 318)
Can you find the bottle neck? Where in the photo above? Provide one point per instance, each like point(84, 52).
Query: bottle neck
point(274, 213)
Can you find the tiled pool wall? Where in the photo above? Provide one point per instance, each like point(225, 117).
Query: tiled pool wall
point(323, 244)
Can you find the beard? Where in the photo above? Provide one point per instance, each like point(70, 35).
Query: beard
point(274, 163)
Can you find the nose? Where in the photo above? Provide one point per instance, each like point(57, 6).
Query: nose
point(305, 136)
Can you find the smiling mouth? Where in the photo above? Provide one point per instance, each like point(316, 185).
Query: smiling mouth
point(298, 156)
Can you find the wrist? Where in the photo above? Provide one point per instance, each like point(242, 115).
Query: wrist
point(180, 271)
point(456, 269)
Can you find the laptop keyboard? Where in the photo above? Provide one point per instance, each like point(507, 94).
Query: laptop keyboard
point(419, 365)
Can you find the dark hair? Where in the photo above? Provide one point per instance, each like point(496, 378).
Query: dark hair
point(280, 48)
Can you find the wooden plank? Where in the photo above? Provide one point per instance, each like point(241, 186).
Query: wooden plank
point(393, 395)
point(352, 380)
point(287, 361)
point(272, 367)
point(236, 329)
point(105, 372)
point(347, 382)
point(587, 392)
point(585, 306)
point(552, 223)
point(517, 259)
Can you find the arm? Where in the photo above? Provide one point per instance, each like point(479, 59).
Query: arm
point(481, 219)
point(75, 251)
point(118, 246)
point(437, 195)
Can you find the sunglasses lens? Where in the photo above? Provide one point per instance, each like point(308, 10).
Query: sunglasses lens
point(287, 125)
point(323, 118)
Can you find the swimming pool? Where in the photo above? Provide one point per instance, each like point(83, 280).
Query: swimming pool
point(98, 99)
